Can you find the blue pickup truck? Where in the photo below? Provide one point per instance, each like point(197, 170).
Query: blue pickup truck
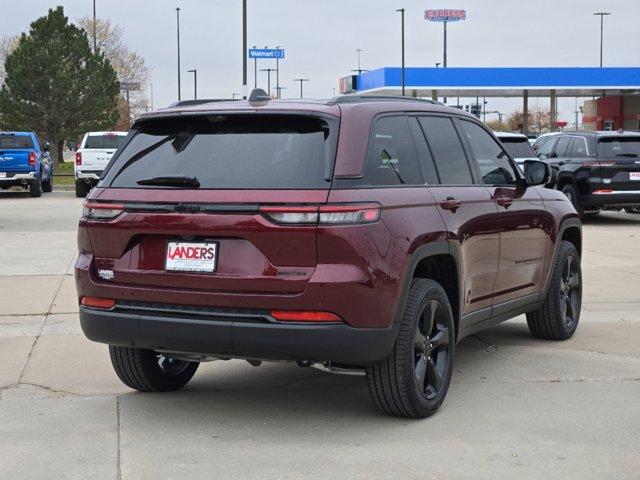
point(25, 162)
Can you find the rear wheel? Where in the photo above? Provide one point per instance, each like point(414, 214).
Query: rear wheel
point(557, 318)
point(35, 187)
point(572, 194)
point(81, 190)
point(632, 210)
point(150, 371)
point(413, 381)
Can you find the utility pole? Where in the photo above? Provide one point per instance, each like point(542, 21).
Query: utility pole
point(178, 30)
point(95, 41)
point(244, 49)
point(301, 80)
point(195, 83)
point(402, 10)
point(602, 15)
point(268, 70)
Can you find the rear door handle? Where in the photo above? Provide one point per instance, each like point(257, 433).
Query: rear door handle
point(504, 201)
point(450, 204)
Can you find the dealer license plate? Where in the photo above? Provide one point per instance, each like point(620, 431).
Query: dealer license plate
point(191, 256)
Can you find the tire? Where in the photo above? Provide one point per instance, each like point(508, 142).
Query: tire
point(35, 187)
point(413, 381)
point(572, 194)
point(47, 186)
point(81, 190)
point(558, 317)
point(632, 210)
point(141, 369)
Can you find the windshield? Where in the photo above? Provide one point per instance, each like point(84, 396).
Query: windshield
point(106, 141)
point(619, 147)
point(229, 152)
point(518, 147)
point(15, 142)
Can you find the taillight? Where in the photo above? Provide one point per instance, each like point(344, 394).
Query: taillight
point(98, 302)
point(333, 214)
point(598, 164)
point(78, 158)
point(32, 159)
point(304, 316)
point(101, 211)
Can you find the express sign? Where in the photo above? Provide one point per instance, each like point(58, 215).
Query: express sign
point(445, 15)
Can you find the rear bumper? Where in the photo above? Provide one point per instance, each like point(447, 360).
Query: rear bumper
point(88, 176)
point(238, 338)
point(614, 199)
point(18, 177)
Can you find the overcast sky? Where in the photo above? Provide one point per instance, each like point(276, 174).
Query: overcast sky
point(320, 38)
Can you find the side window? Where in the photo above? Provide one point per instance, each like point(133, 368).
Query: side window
point(547, 147)
point(391, 155)
point(578, 148)
point(446, 149)
point(561, 147)
point(424, 155)
point(39, 143)
point(494, 164)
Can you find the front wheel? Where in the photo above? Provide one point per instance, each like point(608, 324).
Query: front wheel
point(150, 371)
point(413, 381)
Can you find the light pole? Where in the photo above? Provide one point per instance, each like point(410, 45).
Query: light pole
point(195, 83)
point(359, 69)
point(279, 91)
point(278, 73)
point(401, 10)
point(234, 95)
point(438, 64)
point(301, 80)
point(255, 69)
point(95, 41)
point(268, 70)
point(178, 30)
point(244, 49)
point(151, 85)
point(602, 15)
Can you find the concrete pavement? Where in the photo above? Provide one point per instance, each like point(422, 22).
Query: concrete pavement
point(517, 408)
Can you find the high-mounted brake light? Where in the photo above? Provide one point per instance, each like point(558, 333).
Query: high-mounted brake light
point(78, 158)
point(32, 159)
point(101, 211)
point(97, 302)
point(303, 316)
point(332, 214)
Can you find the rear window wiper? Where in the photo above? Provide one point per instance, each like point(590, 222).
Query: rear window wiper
point(171, 181)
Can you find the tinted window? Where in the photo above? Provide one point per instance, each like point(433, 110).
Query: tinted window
point(15, 141)
point(446, 149)
point(494, 164)
point(424, 155)
point(230, 151)
point(578, 148)
point(619, 147)
point(104, 141)
point(547, 147)
point(561, 147)
point(391, 155)
point(518, 147)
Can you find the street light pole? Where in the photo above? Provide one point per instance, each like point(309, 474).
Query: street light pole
point(278, 74)
point(151, 85)
point(244, 48)
point(95, 41)
point(178, 30)
point(195, 83)
point(255, 69)
point(401, 10)
point(301, 80)
point(268, 70)
point(444, 51)
point(602, 15)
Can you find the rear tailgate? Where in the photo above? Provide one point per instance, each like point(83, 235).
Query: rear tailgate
point(14, 153)
point(619, 162)
point(166, 236)
point(97, 149)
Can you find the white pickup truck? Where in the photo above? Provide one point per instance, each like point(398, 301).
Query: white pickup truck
point(92, 157)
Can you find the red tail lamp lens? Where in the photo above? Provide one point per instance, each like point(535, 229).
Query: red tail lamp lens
point(97, 302)
point(298, 316)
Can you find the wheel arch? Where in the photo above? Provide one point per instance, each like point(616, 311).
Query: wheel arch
point(570, 230)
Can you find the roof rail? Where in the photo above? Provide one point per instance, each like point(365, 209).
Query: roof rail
point(360, 98)
point(200, 101)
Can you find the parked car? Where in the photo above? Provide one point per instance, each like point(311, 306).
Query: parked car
point(364, 233)
point(597, 170)
point(96, 149)
point(542, 138)
point(517, 144)
point(25, 162)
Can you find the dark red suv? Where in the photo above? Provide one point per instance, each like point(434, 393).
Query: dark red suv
point(368, 233)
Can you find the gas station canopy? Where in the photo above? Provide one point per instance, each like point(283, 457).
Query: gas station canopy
point(498, 82)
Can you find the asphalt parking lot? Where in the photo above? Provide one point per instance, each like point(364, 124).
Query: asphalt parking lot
point(517, 408)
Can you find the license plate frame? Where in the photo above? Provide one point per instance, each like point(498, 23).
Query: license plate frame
point(188, 258)
point(634, 176)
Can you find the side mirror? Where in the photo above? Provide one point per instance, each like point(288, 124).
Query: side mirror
point(47, 146)
point(537, 172)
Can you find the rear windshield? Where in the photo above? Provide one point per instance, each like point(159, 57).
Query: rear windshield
point(230, 152)
point(518, 147)
point(105, 141)
point(15, 142)
point(619, 147)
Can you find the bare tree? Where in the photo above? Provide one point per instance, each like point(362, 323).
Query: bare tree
point(8, 44)
point(133, 73)
point(538, 120)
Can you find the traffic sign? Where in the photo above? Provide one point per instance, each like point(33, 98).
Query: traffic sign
point(445, 15)
point(266, 53)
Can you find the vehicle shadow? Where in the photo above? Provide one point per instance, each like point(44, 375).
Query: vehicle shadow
point(14, 193)
point(612, 218)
